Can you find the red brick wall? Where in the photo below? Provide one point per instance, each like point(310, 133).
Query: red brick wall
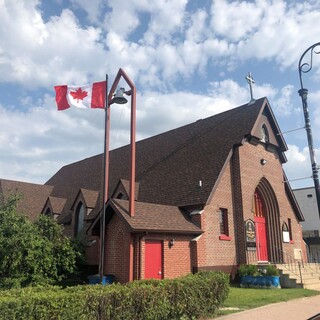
point(176, 260)
point(235, 192)
point(117, 250)
point(251, 173)
point(93, 251)
point(210, 249)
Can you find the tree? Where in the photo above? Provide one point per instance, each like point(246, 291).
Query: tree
point(33, 253)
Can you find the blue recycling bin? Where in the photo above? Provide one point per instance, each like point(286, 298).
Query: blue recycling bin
point(95, 279)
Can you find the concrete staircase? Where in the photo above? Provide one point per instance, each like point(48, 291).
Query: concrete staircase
point(291, 275)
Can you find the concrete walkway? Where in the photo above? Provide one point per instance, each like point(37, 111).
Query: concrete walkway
point(298, 309)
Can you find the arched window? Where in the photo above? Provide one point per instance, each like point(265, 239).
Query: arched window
point(285, 232)
point(264, 134)
point(79, 218)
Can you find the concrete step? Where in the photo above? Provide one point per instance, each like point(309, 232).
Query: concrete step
point(306, 276)
point(291, 278)
point(312, 286)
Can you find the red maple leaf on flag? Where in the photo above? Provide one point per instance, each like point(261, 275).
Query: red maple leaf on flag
point(79, 94)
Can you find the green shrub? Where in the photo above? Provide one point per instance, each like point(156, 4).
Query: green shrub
point(272, 270)
point(248, 270)
point(33, 254)
point(253, 270)
point(188, 297)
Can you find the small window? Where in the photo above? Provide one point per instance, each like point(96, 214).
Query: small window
point(290, 230)
point(309, 196)
point(285, 233)
point(264, 134)
point(223, 218)
point(224, 225)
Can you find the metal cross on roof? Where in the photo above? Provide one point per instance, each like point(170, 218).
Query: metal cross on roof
point(250, 81)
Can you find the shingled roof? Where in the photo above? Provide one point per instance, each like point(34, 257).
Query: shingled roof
point(30, 205)
point(170, 165)
point(155, 218)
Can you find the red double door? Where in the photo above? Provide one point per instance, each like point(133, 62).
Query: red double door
point(261, 238)
point(153, 259)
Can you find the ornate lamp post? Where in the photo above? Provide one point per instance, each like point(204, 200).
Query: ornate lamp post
point(305, 67)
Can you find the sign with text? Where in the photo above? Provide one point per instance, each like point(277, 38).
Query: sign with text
point(250, 234)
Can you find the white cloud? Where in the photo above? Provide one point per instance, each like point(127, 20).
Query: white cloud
point(162, 45)
point(31, 143)
point(235, 20)
point(298, 168)
point(58, 50)
point(93, 8)
point(279, 34)
point(284, 104)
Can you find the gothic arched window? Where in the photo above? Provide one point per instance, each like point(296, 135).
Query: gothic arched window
point(264, 134)
point(79, 218)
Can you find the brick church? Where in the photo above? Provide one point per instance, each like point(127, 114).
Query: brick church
point(210, 195)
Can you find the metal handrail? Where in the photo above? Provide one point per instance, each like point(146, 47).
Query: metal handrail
point(314, 261)
point(292, 264)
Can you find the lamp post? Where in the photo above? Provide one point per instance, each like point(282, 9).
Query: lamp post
point(305, 67)
point(119, 99)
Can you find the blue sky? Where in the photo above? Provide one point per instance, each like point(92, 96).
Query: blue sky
point(188, 60)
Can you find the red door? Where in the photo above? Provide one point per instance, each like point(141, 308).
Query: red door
point(153, 259)
point(261, 238)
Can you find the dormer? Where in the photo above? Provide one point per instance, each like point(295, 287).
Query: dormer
point(83, 204)
point(122, 190)
point(54, 207)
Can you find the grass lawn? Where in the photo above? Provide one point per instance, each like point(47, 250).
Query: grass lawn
point(240, 299)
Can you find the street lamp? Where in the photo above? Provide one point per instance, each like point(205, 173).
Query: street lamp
point(303, 93)
point(118, 98)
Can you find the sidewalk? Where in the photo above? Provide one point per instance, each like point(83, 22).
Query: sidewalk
point(298, 309)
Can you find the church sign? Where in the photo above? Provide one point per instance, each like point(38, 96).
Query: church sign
point(250, 234)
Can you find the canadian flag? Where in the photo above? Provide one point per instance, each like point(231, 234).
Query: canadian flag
point(86, 96)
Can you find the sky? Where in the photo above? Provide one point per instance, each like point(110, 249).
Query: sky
point(188, 60)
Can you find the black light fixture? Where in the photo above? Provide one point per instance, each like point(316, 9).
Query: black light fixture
point(171, 243)
point(263, 161)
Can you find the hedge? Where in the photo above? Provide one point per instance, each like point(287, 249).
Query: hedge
point(189, 297)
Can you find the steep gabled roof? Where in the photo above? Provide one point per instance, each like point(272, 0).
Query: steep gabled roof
point(124, 186)
point(57, 204)
point(30, 205)
point(170, 165)
point(90, 198)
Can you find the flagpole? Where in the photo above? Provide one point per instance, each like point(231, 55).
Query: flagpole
point(105, 181)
